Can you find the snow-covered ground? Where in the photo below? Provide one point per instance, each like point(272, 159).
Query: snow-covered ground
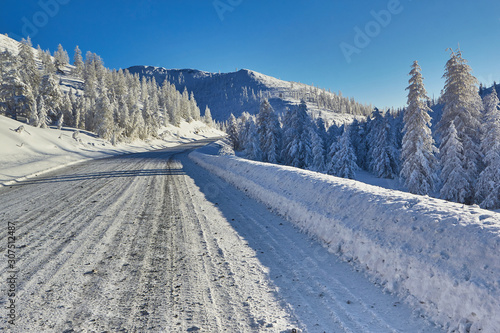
point(152, 242)
point(440, 257)
point(36, 150)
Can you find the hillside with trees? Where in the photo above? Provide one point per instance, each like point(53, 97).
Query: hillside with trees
point(43, 89)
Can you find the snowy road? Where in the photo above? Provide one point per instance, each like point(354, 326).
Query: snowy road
point(153, 242)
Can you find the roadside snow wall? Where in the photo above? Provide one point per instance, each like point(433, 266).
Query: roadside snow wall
point(441, 257)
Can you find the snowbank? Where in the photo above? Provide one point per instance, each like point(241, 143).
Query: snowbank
point(441, 257)
point(34, 151)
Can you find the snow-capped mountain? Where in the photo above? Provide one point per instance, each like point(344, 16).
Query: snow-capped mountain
point(236, 92)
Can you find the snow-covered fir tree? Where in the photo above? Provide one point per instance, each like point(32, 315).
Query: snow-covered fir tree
point(28, 69)
point(488, 185)
point(455, 182)
point(418, 153)
point(207, 116)
point(42, 118)
point(384, 156)
point(462, 107)
point(78, 63)
point(61, 58)
point(45, 57)
point(269, 132)
point(66, 110)
point(16, 98)
point(317, 162)
point(105, 123)
point(359, 143)
point(344, 161)
point(51, 92)
point(233, 132)
point(296, 140)
point(251, 146)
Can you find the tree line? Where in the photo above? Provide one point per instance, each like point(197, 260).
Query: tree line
point(458, 159)
point(114, 104)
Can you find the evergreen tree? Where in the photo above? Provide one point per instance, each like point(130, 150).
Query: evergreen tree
point(50, 90)
point(344, 162)
point(46, 60)
point(194, 109)
point(488, 185)
point(61, 58)
point(42, 119)
point(16, 98)
point(207, 118)
point(463, 108)
point(419, 162)
point(233, 132)
point(296, 140)
point(28, 69)
point(66, 109)
point(251, 144)
point(455, 181)
point(269, 132)
point(383, 150)
point(105, 123)
point(185, 105)
point(317, 150)
point(78, 63)
point(359, 143)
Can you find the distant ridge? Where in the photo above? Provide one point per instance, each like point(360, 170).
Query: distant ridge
point(236, 92)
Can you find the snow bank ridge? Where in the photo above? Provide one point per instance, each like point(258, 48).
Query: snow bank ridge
point(440, 257)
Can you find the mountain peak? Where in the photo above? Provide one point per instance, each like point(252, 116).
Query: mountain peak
point(243, 90)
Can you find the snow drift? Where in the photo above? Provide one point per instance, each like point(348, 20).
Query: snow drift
point(439, 256)
point(33, 151)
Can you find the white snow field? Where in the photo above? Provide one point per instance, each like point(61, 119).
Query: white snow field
point(31, 152)
point(152, 242)
point(439, 257)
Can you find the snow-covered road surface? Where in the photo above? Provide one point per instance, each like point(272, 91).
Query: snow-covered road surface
point(153, 242)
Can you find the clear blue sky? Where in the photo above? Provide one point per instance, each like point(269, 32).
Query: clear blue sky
point(292, 40)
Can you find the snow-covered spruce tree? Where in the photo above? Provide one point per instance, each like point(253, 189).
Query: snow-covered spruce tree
point(29, 75)
point(104, 115)
point(207, 117)
point(251, 142)
point(317, 162)
point(194, 109)
point(42, 118)
point(16, 97)
point(269, 132)
point(488, 185)
point(383, 150)
point(233, 132)
point(46, 60)
point(455, 185)
point(418, 152)
point(51, 92)
point(185, 105)
point(344, 162)
point(61, 58)
point(383, 156)
point(78, 63)
point(359, 143)
point(463, 107)
point(28, 69)
point(66, 109)
point(296, 140)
